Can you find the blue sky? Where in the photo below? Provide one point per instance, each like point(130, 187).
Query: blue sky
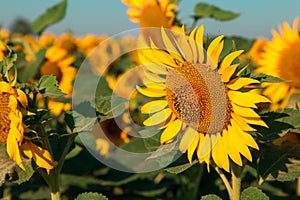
point(109, 16)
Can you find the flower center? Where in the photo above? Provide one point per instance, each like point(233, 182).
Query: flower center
point(198, 97)
point(50, 68)
point(290, 64)
point(153, 16)
point(4, 117)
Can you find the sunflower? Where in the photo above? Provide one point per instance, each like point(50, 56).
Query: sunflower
point(58, 63)
point(281, 59)
point(198, 100)
point(12, 129)
point(151, 13)
point(255, 52)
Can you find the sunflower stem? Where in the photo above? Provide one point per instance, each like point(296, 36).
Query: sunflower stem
point(298, 187)
point(225, 181)
point(65, 152)
point(236, 181)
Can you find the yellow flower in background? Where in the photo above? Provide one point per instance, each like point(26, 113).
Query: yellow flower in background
point(151, 13)
point(175, 73)
point(47, 39)
point(59, 63)
point(89, 42)
point(255, 52)
point(3, 50)
point(12, 129)
point(281, 59)
point(67, 41)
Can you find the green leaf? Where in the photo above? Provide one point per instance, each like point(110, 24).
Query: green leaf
point(6, 165)
point(48, 86)
point(20, 176)
point(210, 197)
point(268, 78)
point(82, 123)
point(253, 193)
point(32, 69)
point(91, 196)
point(110, 106)
point(276, 127)
point(281, 163)
point(292, 119)
point(180, 165)
point(204, 10)
point(51, 16)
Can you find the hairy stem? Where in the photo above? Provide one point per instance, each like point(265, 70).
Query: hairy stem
point(225, 181)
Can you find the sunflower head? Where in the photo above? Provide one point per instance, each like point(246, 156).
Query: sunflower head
point(199, 98)
point(280, 58)
point(151, 13)
point(11, 125)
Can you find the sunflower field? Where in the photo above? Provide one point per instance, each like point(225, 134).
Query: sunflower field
point(166, 111)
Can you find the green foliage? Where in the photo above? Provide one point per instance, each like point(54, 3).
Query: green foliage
point(20, 176)
point(210, 197)
point(31, 69)
point(279, 163)
point(48, 86)
point(8, 64)
point(204, 10)
point(91, 196)
point(268, 78)
point(279, 123)
point(110, 106)
point(180, 165)
point(253, 193)
point(21, 26)
point(51, 16)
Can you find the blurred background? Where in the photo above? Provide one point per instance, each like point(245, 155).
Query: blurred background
point(109, 17)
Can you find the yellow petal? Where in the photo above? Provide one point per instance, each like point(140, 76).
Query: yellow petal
point(240, 122)
point(151, 92)
point(168, 43)
point(155, 86)
point(5, 87)
point(199, 36)
point(255, 121)
point(158, 118)
point(228, 72)
point(13, 151)
point(238, 83)
point(232, 151)
point(171, 131)
point(215, 48)
point(241, 99)
point(41, 156)
point(187, 139)
point(22, 98)
point(154, 106)
point(245, 137)
point(207, 144)
point(193, 147)
point(220, 155)
point(227, 61)
point(244, 111)
point(238, 143)
point(154, 77)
